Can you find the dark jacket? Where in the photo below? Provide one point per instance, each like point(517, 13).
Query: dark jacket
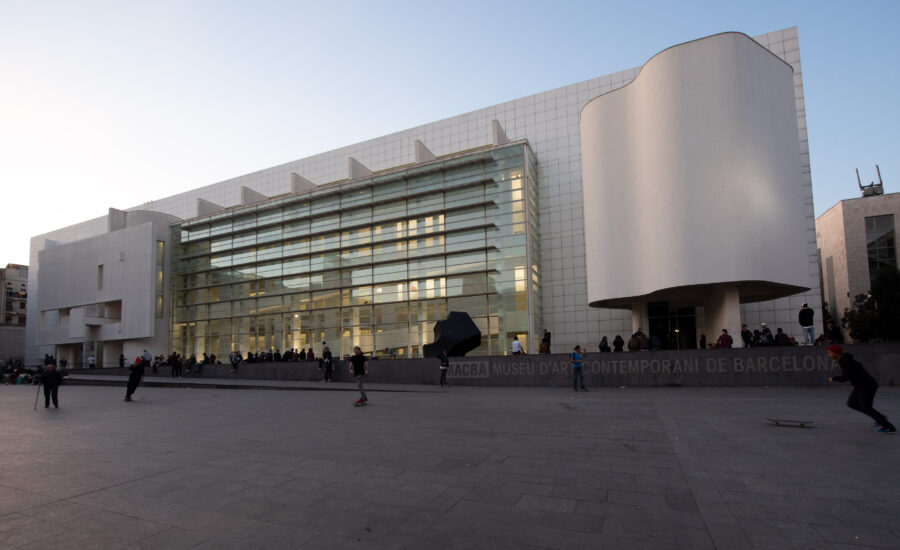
point(806, 317)
point(136, 371)
point(852, 371)
point(618, 343)
point(51, 379)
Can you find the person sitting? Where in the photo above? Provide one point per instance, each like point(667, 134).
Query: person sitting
point(782, 339)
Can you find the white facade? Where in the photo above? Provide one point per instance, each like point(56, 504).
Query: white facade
point(550, 122)
point(699, 159)
point(100, 295)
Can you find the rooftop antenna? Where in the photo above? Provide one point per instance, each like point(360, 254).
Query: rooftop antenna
point(871, 189)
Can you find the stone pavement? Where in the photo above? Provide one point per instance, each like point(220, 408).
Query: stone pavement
point(468, 468)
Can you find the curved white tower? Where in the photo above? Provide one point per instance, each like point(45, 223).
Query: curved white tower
point(692, 183)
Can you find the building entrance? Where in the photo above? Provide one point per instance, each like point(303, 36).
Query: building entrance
point(673, 328)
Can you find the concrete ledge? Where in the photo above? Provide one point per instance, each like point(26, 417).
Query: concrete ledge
point(773, 366)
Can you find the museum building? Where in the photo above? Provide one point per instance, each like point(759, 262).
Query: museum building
point(675, 197)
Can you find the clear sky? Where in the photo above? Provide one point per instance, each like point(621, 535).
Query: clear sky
point(113, 104)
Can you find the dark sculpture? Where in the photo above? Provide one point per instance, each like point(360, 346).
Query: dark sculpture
point(458, 334)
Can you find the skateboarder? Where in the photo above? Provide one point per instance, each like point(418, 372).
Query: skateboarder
point(445, 364)
point(576, 358)
point(359, 368)
point(51, 379)
point(135, 375)
point(864, 387)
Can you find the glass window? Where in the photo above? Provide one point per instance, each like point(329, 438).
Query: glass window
point(267, 216)
point(426, 203)
point(389, 272)
point(296, 229)
point(353, 237)
point(324, 222)
point(880, 243)
point(296, 210)
point(356, 197)
point(388, 210)
point(296, 247)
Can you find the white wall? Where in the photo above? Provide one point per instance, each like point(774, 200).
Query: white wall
point(694, 169)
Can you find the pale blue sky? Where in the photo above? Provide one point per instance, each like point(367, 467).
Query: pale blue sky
point(118, 103)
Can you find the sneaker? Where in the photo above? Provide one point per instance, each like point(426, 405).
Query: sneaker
point(891, 430)
point(127, 398)
point(584, 389)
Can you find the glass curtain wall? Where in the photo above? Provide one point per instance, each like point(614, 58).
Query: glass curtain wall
point(372, 262)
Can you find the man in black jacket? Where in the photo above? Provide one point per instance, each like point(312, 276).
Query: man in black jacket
point(864, 387)
point(806, 324)
point(51, 379)
point(135, 375)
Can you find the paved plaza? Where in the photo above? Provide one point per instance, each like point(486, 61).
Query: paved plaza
point(468, 468)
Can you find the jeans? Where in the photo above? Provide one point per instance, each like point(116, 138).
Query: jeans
point(577, 373)
point(808, 336)
point(360, 378)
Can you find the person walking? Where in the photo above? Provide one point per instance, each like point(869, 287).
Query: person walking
point(359, 368)
point(576, 358)
point(51, 379)
point(807, 325)
point(864, 387)
point(135, 376)
point(445, 364)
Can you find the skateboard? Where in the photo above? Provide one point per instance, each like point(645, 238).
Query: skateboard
point(793, 423)
point(360, 403)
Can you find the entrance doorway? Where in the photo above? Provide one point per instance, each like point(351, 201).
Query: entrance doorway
point(674, 328)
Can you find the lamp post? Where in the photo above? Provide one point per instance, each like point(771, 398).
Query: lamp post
point(677, 340)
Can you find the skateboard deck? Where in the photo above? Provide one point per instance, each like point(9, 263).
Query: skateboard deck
point(786, 422)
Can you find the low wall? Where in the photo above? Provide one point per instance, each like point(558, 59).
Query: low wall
point(776, 366)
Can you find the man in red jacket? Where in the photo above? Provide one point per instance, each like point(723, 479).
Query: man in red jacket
point(864, 387)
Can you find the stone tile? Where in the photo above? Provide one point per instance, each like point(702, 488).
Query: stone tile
point(494, 468)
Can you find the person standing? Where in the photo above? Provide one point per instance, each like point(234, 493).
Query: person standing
point(135, 376)
point(864, 387)
point(545, 342)
point(359, 368)
point(328, 364)
point(807, 325)
point(51, 379)
point(746, 336)
point(121, 361)
point(576, 359)
point(516, 346)
point(445, 364)
point(725, 340)
point(91, 361)
point(618, 344)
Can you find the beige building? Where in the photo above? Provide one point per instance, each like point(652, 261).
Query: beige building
point(855, 237)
